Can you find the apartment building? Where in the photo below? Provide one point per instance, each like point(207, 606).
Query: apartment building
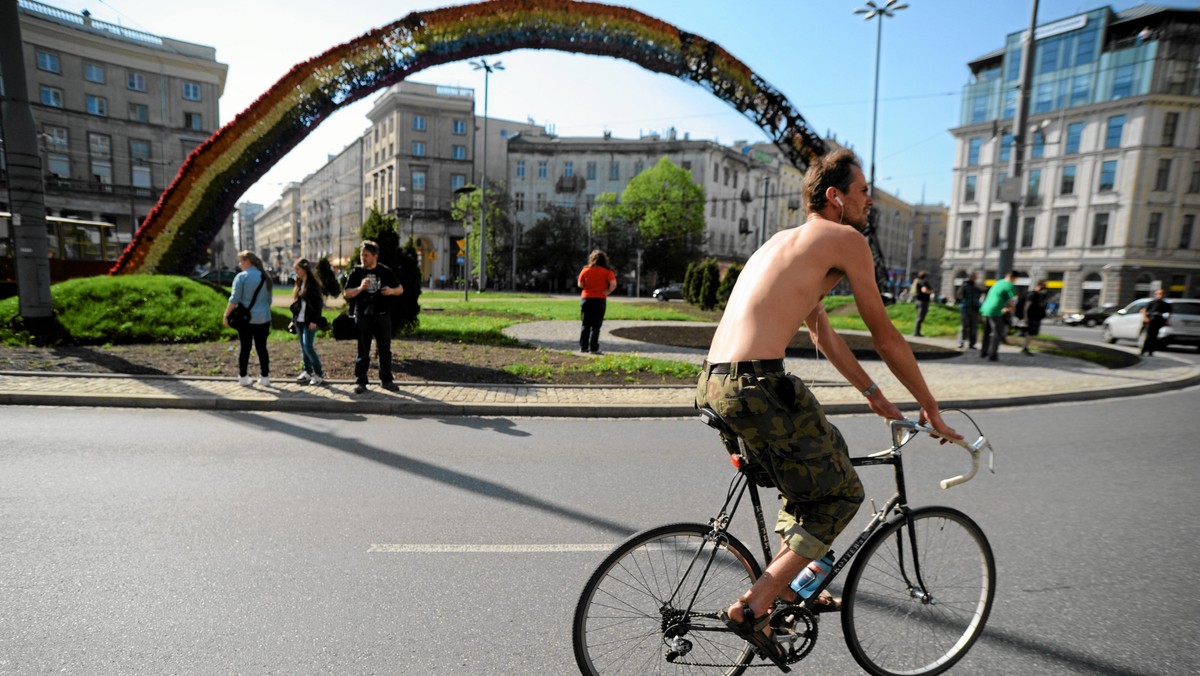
point(547, 170)
point(277, 238)
point(423, 143)
point(117, 111)
point(331, 205)
point(1110, 190)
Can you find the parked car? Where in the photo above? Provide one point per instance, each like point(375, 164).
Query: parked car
point(1182, 327)
point(1090, 317)
point(669, 292)
point(224, 276)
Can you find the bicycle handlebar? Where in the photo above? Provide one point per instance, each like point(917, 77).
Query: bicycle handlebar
point(903, 429)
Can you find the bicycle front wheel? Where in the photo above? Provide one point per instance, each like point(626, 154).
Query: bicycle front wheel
point(635, 608)
point(906, 614)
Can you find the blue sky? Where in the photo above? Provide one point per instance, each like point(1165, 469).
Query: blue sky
point(817, 52)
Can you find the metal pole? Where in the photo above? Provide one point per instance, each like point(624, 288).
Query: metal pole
point(26, 190)
point(1008, 244)
point(762, 235)
point(487, 72)
point(875, 105)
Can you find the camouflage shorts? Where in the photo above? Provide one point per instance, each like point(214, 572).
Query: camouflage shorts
point(786, 432)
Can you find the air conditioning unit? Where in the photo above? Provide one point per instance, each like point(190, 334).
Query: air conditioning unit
point(743, 226)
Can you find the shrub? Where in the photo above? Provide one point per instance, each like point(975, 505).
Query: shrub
point(710, 279)
point(726, 287)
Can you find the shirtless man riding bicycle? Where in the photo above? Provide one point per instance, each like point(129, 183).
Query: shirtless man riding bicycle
point(783, 425)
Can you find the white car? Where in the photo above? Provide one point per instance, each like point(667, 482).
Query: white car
point(1182, 327)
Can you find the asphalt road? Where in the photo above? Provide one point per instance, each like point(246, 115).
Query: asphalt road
point(1184, 352)
point(154, 542)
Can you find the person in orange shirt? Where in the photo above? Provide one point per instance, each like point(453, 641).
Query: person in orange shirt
point(597, 281)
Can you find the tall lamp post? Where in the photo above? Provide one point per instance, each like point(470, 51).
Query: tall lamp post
point(873, 11)
point(487, 69)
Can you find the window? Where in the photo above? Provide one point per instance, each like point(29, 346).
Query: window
point(1100, 230)
point(418, 180)
point(994, 235)
point(1039, 145)
point(1170, 123)
point(1080, 90)
point(51, 96)
point(139, 177)
point(418, 201)
point(1162, 179)
point(1122, 81)
point(1154, 229)
point(1062, 228)
point(1074, 135)
point(543, 168)
point(459, 127)
point(460, 152)
point(520, 168)
point(419, 122)
point(93, 72)
point(713, 210)
point(48, 62)
point(97, 105)
point(193, 121)
point(1116, 123)
point(1108, 175)
point(1185, 235)
point(1035, 182)
point(136, 81)
point(57, 139)
point(964, 235)
point(614, 171)
point(1006, 144)
point(735, 177)
point(716, 172)
point(591, 171)
point(639, 166)
point(1027, 227)
point(503, 133)
point(969, 189)
point(418, 149)
point(519, 201)
point(1194, 181)
point(100, 154)
point(1067, 185)
point(541, 201)
point(139, 150)
point(568, 169)
point(60, 166)
point(1043, 101)
point(1001, 177)
point(191, 91)
point(457, 181)
point(138, 112)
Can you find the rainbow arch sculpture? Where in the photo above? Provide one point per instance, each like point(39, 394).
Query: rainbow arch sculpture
point(191, 210)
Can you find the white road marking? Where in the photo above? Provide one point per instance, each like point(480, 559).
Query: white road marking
point(485, 549)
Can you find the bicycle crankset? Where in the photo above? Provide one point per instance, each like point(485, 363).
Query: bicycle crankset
point(795, 627)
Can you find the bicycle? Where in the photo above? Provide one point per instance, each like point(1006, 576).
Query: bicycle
point(915, 599)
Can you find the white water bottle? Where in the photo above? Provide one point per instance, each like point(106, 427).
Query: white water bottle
point(813, 575)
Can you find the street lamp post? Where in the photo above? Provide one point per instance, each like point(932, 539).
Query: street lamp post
point(467, 190)
point(873, 11)
point(487, 69)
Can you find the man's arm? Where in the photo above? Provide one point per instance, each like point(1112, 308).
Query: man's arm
point(891, 346)
point(834, 347)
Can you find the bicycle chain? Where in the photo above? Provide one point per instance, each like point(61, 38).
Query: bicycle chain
point(794, 656)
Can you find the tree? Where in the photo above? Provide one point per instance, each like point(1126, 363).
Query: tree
point(553, 251)
point(384, 230)
point(329, 282)
point(661, 212)
point(499, 230)
point(691, 288)
point(710, 279)
point(727, 283)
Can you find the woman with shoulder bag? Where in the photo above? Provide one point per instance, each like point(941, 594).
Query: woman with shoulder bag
point(252, 291)
point(308, 301)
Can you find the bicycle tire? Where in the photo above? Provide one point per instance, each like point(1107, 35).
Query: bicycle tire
point(889, 629)
point(618, 623)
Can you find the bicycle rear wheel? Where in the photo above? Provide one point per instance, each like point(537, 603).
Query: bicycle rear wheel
point(894, 626)
point(640, 593)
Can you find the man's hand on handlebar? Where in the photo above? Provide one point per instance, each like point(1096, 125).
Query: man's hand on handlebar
point(883, 407)
point(934, 420)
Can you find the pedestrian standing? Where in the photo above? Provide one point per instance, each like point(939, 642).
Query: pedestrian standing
point(597, 281)
point(969, 298)
point(252, 289)
point(1034, 302)
point(920, 295)
point(995, 310)
point(307, 303)
point(368, 288)
point(1154, 317)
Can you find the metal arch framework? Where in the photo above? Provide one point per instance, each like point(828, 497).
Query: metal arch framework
point(191, 210)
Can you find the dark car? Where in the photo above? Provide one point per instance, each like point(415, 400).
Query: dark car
point(669, 292)
point(1094, 316)
point(224, 276)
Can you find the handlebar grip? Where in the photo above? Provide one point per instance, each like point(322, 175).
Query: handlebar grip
point(950, 483)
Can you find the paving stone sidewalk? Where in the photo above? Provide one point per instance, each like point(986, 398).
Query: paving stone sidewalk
point(966, 381)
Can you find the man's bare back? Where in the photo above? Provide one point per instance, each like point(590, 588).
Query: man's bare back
point(779, 288)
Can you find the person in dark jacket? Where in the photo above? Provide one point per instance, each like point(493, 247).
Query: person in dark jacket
point(307, 303)
point(1034, 301)
point(369, 288)
point(970, 297)
point(1154, 317)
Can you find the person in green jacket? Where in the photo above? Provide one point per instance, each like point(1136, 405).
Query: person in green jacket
point(996, 306)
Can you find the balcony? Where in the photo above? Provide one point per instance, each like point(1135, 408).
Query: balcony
point(58, 185)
